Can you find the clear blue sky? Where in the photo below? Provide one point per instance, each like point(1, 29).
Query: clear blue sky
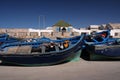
point(79, 13)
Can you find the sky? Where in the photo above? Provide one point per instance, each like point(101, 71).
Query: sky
point(45, 13)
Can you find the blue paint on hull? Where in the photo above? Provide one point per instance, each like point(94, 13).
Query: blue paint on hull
point(109, 50)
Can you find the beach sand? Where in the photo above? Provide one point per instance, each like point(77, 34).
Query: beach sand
point(79, 70)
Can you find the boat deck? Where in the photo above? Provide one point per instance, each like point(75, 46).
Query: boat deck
point(18, 49)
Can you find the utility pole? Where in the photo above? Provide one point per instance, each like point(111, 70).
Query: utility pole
point(41, 18)
point(38, 21)
point(43, 21)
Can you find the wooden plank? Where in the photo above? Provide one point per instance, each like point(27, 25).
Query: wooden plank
point(24, 49)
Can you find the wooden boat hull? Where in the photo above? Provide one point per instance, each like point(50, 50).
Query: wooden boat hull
point(52, 58)
point(96, 57)
point(103, 52)
point(36, 59)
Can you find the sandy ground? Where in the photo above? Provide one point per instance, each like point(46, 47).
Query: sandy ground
point(80, 70)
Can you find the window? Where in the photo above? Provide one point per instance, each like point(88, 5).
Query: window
point(84, 33)
point(51, 33)
point(72, 34)
point(63, 29)
point(116, 34)
point(33, 34)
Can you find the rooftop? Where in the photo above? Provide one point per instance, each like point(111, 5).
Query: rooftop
point(62, 23)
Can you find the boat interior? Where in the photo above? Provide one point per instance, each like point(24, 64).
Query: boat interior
point(43, 48)
point(96, 37)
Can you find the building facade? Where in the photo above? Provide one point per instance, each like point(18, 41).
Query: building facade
point(62, 31)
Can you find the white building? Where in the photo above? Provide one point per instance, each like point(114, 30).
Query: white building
point(40, 32)
point(94, 27)
point(80, 31)
point(115, 29)
point(115, 33)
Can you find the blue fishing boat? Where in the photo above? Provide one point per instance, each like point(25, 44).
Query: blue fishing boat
point(45, 54)
point(105, 49)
